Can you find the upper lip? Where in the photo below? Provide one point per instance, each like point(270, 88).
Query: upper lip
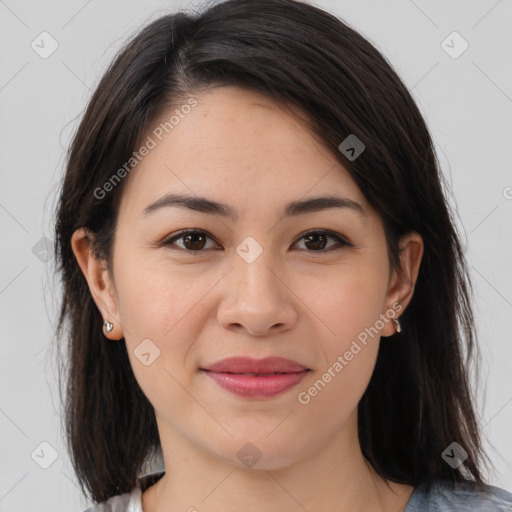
point(250, 365)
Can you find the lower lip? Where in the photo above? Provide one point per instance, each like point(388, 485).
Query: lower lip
point(253, 386)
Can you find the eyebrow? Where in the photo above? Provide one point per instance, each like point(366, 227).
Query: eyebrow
point(204, 205)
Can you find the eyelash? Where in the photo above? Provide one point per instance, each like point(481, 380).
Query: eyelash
point(168, 242)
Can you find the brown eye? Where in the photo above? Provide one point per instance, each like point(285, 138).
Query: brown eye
point(316, 241)
point(192, 241)
point(196, 241)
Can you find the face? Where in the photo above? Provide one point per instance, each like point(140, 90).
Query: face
point(307, 284)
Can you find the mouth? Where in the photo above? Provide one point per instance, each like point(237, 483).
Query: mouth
point(254, 374)
point(256, 385)
point(251, 366)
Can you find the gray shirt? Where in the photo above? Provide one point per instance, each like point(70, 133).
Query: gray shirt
point(443, 497)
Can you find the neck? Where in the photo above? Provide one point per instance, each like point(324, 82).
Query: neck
point(336, 477)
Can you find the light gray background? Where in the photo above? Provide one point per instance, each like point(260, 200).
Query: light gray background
point(467, 102)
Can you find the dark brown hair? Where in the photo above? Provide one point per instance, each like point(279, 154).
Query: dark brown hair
point(419, 399)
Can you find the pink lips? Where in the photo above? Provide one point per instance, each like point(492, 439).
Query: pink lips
point(255, 378)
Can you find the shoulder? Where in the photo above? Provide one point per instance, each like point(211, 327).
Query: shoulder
point(460, 497)
point(119, 503)
point(129, 501)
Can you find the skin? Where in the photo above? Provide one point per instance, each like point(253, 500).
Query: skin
point(295, 301)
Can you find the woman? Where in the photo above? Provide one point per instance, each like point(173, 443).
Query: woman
point(262, 279)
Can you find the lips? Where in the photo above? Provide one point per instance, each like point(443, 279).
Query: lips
point(256, 378)
point(248, 365)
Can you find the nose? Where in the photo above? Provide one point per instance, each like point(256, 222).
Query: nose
point(256, 299)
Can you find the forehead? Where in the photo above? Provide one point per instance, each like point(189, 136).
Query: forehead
point(235, 146)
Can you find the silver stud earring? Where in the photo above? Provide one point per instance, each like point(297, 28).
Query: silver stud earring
point(107, 326)
point(398, 327)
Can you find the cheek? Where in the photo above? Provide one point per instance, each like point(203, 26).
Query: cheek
point(152, 298)
point(158, 316)
point(349, 308)
point(347, 357)
point(332, 395)
point(165, 306)
point(349, 302)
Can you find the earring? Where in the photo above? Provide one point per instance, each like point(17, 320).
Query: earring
point(397, 324)
point(107, 326)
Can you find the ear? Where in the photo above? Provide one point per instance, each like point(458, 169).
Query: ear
point(401, 289)
point(100, 284)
